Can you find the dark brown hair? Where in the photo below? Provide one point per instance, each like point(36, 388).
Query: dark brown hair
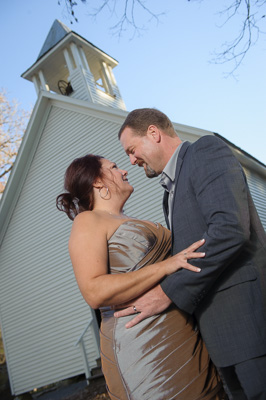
point(140, 119)
point(79, 179)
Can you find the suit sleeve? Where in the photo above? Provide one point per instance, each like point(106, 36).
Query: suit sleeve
point(215, 179)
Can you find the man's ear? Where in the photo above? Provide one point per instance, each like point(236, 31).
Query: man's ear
point(154, 133)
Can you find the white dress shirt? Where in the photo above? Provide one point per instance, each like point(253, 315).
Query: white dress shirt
point(168, 180)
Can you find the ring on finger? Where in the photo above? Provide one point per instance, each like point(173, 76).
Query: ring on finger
point(134, 308)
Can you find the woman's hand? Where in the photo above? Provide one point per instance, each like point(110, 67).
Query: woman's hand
point(179, 260)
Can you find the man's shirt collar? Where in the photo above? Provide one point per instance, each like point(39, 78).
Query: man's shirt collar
point(168, 173)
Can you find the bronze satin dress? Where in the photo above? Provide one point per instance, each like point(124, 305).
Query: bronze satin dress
point(162, 357)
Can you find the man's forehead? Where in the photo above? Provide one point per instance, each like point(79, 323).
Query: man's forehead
point(127, 132)
point(127, 138)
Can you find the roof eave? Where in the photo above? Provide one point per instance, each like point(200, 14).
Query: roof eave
point(245, 158)
point(63, 42)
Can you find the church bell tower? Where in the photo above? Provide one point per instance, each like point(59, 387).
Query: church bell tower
point(71, 66)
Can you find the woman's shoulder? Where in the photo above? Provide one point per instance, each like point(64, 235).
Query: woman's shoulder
point(82, 219)
point(86, 216)
point(89, 221)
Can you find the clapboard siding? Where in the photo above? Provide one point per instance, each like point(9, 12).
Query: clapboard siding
point(77, 82)
point(84, 87)
point(42, 311)
point(258, 191)
point(47, 315)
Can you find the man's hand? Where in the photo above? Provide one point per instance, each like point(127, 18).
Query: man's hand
point(150, 303)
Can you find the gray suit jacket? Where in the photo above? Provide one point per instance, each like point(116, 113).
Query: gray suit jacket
point(227, 297)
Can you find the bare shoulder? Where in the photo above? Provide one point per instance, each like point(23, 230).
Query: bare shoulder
point(88, 223)
point(86, 217)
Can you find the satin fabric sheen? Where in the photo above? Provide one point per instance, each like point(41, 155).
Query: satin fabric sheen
point(162, 357)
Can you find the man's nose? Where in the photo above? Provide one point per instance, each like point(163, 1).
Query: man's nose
point(132, 159)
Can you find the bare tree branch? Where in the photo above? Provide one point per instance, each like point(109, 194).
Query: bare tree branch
point(251, 13)
point(6, 171)
point(125, 12)
point(12, 126)
point(126, 16)
point(69, 6)
point(248, 35)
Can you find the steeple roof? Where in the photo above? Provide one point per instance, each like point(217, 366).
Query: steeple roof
point(69, 64)
point(59, 37)
point(57, 32)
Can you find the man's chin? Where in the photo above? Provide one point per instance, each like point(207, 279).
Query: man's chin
point(150, 173)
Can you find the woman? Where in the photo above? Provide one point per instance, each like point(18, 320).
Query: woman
point(163, 357)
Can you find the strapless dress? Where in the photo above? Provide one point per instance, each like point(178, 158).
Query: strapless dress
point(163, 357)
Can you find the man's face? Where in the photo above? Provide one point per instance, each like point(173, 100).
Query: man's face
point(142, 150)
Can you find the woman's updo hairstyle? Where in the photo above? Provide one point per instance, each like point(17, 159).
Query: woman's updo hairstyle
point(79, 179)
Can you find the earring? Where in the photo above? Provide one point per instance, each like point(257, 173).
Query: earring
point(106, 194)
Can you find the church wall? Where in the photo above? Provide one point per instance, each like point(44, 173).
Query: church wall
point(42, 311)
point(257, 185)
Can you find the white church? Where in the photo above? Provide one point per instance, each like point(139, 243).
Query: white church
point(49, 332)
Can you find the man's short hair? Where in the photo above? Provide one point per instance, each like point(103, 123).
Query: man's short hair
point(140, 119)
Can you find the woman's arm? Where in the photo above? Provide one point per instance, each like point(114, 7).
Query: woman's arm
point(89, 255)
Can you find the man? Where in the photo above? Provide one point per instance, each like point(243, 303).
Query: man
point(207, 197)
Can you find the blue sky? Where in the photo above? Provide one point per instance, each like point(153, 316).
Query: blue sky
point(167, 66)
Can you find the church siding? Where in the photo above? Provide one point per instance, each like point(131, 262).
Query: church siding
point(257, 187)
point(42, 310)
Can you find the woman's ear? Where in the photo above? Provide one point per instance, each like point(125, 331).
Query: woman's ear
point(98, 184)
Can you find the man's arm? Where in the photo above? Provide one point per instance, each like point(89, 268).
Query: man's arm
point(220, 190)
point(215, 204)
point(150, 303)
point(155, 301)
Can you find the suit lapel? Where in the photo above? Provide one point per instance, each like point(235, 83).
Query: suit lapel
point(179, 163)
point(165, 208)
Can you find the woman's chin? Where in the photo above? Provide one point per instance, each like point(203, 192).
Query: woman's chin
point(130, 191)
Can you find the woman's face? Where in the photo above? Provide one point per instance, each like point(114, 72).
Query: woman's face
point(115, 178)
